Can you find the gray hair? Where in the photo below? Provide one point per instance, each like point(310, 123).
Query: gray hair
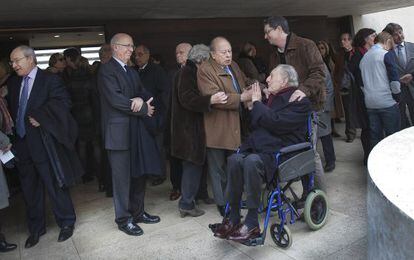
point(290, 73)
point(199, 53)
point(28, 52)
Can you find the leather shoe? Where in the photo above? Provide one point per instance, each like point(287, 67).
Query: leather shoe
point(4, 246)
point(131, 229)
point(157, 181)
point(243, 233)
point(221, 210)
point(147, 219)
point(174, 195)
point(349, 139)
point(65, 233)
point(195, 212)
point(33, 239)
point(329, 167)
point(224, 229)
point(208, 201)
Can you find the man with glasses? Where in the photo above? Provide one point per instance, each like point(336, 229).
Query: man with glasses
point(304, 56)
point(126, 110)
point(224, 122)
point(39, 104)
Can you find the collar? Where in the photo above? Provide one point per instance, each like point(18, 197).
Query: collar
point(120, 62)
point(32, 73)
point(143, 67)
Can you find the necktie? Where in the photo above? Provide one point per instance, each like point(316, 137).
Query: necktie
point(401, 58)
point(20, 126)
point(129, 74)
point(233, 79)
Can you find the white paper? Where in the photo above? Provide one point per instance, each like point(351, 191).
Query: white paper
point(5, 157)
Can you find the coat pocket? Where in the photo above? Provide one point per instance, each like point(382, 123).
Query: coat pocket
point(117, 134)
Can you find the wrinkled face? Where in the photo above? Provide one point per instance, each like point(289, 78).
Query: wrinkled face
point(276, 82)
point(322, 50)
point(222, 53)
point(370, 39)
point(274, 36)
point(346, 41)
point(398, 36)
point(181, 53)
point(60, 64)
point(123, 48)
point(141, 57)
point(21, 64)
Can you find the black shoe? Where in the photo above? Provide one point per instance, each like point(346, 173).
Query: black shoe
point(221, 210)
point(4, 246)
point(349, 139)
point(208, 201)
point(147, 219)
point(33, 239)
point(87, 178)
point(131, 229)
point(157, 181)
point(329, 167)
point(65, 233)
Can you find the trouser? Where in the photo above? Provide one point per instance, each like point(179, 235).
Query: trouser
point(328, 149)
point(385, 120)
point(244, 171)
point(202, 189)
point(34, 178)
point(350, 132)
point(159, 139)
point(89, 153)
point(128, 192)
point(407, 100)
point(319, 177)
point(216, 159)
point(176, 171)
point(189, 184)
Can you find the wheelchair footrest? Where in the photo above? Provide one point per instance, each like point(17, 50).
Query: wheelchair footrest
point(259, 241)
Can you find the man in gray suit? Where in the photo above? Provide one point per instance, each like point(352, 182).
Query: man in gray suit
point(131, 149)
point(404, 52)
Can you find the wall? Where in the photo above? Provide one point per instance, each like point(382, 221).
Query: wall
point(377, 21)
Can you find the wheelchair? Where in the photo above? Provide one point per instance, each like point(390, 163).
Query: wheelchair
point(300, 163)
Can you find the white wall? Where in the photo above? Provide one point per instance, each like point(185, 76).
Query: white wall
point(377, 21)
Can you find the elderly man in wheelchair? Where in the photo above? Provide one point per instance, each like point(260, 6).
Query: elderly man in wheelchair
point(278, 144)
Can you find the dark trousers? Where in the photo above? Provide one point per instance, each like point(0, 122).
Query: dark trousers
point(366, 144)
point(350, 132)
point(176, 171)
point(34, 178)
point(328, 149)
point(216, 159)
point(407, 100)
point(128, 192)
point(189, 184)
point(244, 171)
point(202, 189)
point(89, 152)
point(383, 121)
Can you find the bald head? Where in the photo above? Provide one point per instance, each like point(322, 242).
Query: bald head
point(181, 53)
point(221, 51)
point(122, 46)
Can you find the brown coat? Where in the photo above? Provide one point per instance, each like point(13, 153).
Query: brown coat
point(305, 57)
point(188, 141)
point(222, 123)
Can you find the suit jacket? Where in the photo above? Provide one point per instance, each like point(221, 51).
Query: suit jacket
point(409, 68)
point(124, 130)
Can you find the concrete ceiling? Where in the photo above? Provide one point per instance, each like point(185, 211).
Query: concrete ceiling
point(101, 10)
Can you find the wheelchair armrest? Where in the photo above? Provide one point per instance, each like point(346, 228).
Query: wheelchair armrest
point(295, 147)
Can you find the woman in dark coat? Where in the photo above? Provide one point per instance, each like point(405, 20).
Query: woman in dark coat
point(187, 127)
point(363, 41)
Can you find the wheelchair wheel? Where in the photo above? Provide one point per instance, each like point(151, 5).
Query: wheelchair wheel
point(316, 209)
point(285, 238)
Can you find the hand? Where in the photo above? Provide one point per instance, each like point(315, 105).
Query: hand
point(246, 95)
point(151, 108)
point(248, 105)
point(136, 104)
point(406, 78)
point(33, 122)
point(218, 98)
point(266, 92)
point(297, 96)
point(256, 93)
point(8, 147)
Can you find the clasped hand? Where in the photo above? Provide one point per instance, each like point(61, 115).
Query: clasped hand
point(137, 103)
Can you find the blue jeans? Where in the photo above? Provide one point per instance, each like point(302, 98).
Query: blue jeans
point(384, 120)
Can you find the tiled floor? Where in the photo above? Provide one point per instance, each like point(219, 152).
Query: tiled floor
point(96, 235)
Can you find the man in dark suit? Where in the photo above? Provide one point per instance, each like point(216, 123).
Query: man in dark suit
point(132, 151)
point(405, 65)
point(31, 92)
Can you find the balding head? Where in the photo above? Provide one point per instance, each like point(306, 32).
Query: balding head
point(221, 51)
point(122, 46)
point(181, 53)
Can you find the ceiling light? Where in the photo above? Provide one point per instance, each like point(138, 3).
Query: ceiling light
point(57, 36)
point(100, 34)
point(10, 38)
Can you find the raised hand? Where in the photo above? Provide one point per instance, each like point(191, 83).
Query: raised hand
point(256, 92)
point(136, 104)
point(297, 96)
point(218, 98)
point(151, 108)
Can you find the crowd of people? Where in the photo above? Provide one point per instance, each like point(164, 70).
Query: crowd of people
point(122, 119)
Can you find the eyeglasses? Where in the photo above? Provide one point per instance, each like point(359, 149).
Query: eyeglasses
point(16, 60)
point(223, 52)
point(126, 45)
point(269, 31)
